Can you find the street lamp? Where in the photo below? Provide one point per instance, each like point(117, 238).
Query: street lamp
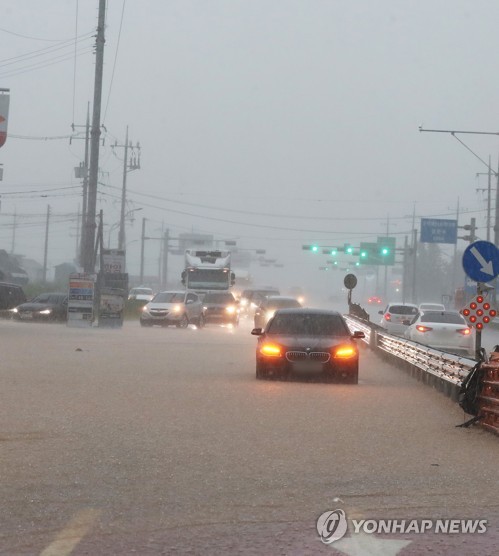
point(117, 224)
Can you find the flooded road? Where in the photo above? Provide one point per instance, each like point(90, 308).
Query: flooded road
point(161, 441)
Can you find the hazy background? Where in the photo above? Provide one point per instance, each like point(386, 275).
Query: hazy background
point(272, 122)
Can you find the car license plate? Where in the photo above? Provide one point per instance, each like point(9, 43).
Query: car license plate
point(307, 367)
point(26, 315)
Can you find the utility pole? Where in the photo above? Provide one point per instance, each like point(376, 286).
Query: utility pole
point(405, 270)
point(89, 237)
point(14, 225)
point(78, 233)
point(414, 263)
point(164, 280)
point(385, 283)
point(81, 172)
point(45, 251)
point(142, 245)
point(134, 165)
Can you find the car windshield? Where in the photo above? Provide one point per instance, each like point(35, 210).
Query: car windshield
point(308, 324)
point(402, 310)
point(219, 298)
point(169, 297)
point(443, 316)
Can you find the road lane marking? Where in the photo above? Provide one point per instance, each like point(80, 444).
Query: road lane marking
point(67, 539)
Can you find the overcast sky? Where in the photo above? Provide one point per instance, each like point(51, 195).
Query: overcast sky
point(298, 118)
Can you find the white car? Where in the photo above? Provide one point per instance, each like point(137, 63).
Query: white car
point(396, 317)
point(179, 308)
point(431, 307)
point(443, 330)
point(141, 293)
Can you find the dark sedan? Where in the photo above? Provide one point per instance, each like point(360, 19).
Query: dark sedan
point(307, 341)
point(44, 307)
point(221, 307)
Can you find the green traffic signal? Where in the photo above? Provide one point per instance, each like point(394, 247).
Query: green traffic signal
point(315, 248)
point(385, 251)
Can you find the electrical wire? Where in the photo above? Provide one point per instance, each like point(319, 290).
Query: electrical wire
point(31, 38)
point(42, 51)
point(40, 65)
point(271, 215)
point(115, 59)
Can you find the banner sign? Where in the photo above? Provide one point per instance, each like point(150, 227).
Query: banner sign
point(4, 114)
point(437, 230)
point(81, 300)
point(113, 261)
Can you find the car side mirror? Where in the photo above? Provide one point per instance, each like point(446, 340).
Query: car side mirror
point(358, 335)
point(257, 332)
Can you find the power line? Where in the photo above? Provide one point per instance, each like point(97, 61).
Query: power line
point(115, 59)
point(32, 38)
point(41, 65)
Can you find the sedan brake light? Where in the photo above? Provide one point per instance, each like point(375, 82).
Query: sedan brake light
point(422, 328)
point(388, 316)
point(464, 331)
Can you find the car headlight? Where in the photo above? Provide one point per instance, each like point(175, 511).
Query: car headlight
point(177, 308)
point(244, 302)
point(345, 352)
point(45, 312)
point(271, 350)
point(230, 309)
point(301, 299)
point(14, 310)
point(270, 314)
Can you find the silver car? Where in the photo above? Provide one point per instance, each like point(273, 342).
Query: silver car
point(397, 317)
point(179, 308)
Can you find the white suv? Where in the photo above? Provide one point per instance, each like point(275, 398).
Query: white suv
point(397, 317)
point(173, 307)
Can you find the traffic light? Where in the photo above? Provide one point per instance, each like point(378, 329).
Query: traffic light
point(386, 250)
point(471, 237)
point(333, 251)
point(368, 253)
point(348, 249)
point(314, 248)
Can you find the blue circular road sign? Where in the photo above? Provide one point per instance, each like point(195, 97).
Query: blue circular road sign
point(481, 261)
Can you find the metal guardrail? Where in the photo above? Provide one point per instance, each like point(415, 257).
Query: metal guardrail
point(442, 370)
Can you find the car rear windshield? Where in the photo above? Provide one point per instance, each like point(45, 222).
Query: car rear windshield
point(431, 307)
point(283, 303)
point(169, 297)
point(308, 325)
point(219, 298)
point(402, 310)
point(449, 318)
point(141, 291)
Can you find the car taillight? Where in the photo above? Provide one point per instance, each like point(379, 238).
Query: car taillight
point(388, 316)
point(345, 352)
point(464, 331)
point(270, 350)
point(422, 328)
